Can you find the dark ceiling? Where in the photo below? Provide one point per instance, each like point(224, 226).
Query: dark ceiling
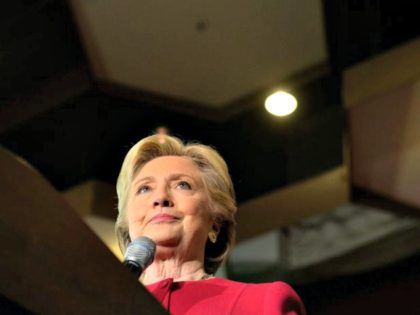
point(71, 128)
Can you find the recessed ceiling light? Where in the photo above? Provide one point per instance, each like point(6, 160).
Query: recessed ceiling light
point(280, 103)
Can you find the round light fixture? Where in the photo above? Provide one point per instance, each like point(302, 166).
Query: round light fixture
point(280, 103)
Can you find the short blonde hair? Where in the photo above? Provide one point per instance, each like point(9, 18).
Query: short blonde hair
point(217, 182)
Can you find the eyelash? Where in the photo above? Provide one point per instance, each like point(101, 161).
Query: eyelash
point(141, 189)
point(183, 183)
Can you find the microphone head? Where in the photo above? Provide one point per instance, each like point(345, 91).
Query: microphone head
point(140, 254)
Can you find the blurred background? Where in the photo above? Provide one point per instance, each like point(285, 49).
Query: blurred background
point(328, 196)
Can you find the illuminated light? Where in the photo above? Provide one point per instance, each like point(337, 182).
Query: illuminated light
point(280, 103)
point(162, 132)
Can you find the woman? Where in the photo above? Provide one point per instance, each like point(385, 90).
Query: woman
point(182, 197)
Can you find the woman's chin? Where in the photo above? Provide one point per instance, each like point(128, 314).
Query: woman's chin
point(164, 238)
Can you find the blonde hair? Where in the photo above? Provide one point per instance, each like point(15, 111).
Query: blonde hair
point(216, 180)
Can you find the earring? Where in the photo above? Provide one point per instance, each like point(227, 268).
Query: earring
point(213, 236)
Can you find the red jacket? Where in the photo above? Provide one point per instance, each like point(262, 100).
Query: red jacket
point(217, 296)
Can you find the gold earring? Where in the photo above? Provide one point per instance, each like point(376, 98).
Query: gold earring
point(213, 236)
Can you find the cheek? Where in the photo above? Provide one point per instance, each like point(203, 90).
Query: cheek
point(206, 211)
point(200, 214)
point(197, 211)
point(134, 224)
point(195, 206)
point(135, 213)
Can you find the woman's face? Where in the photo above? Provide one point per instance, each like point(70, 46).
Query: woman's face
point(168, 203)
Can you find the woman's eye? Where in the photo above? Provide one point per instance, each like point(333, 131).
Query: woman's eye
point(183, 185)
point(143, 189)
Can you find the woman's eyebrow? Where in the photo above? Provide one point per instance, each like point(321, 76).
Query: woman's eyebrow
point(143, 179)
point(177, 176)
point(174, 176)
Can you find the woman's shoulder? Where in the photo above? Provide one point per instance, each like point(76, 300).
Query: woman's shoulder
point(275, 285)
point(224, 296)
point(275, 297)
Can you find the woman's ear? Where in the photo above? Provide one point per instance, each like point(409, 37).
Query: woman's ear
point(216, 227)
point(214, 230)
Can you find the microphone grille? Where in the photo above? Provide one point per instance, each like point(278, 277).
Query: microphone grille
point(141, 252)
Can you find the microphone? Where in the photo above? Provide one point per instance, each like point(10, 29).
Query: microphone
point(139, 254)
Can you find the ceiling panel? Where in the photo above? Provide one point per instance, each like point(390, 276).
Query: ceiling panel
point(208, 52)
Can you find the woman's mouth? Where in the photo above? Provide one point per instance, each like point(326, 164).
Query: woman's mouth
point(163, 217)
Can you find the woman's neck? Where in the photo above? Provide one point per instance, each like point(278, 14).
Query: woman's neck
point(171, 268)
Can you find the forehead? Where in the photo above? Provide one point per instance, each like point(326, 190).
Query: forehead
point(170, 164)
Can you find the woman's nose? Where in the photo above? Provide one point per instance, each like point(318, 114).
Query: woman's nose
point(163, 202)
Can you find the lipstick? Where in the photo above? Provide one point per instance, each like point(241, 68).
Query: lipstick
point(163, 217)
